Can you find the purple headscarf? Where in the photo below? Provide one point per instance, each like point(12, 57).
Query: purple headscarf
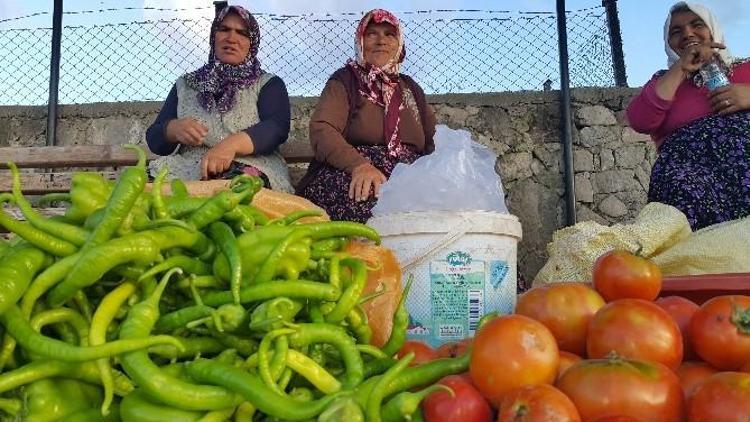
point(216, 82)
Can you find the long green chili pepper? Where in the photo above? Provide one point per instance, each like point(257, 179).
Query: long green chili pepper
point(415, 376)
point(59, 315)
point(378, 366)
point(156, 383)
point(179, 318)
point(293, 289)
point(378, 393)
point(187, 264)
point(243, 345)
point(105, 313)
point(36, 343)
point(84, 306)
point(39, 238)
point(48, 198)
point(124, 195)
point(243, 219)
point(264, 367)
point(349, 297)
point(203, 346)
point(400, 323)
point(245, 412)
point(343, 409)
point(41, 369)
point(294, 216)
point(269, 267)
point(311, 371)
point(217, 415)
point(11, 406)
point(64, 231)
point(252, 389)
point(158, 207)
point(179, 207)
point(405, 403)
point(17, 267)
point(45, 281)
point(94, 263)
point(89, 192)
point(357, 322)
point(336, 336)
point(223, 236)
point(223, 202)
point(179, 189)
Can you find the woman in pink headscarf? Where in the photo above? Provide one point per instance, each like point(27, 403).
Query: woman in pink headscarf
point(703, 137)
point(369, 118)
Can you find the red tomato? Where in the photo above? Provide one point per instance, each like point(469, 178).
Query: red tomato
point(717, 338)
point(466, 404)
point(682, 311)
point(644, 391)
point(721, 397)
point(423, 353)
point(537, 403)
point(635, 329)
point(512, 351)
point(453, 349)
point(620, 274)
point(566, 361)
point(564, 308)
point(691, 374)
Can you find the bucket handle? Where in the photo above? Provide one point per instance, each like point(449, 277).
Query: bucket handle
point(430, 249)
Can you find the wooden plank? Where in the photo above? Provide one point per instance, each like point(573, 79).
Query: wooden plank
point(41, 183)
point(69, 156)
point(297, 151)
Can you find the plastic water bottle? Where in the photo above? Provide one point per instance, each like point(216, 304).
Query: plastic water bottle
point(713, 75)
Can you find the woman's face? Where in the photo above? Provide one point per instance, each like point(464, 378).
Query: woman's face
point(232, 41)
point(686, 29)
point(380, 44)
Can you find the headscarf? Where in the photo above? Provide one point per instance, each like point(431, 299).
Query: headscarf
point(217, 83)
point(380, 85)
point(711, 22)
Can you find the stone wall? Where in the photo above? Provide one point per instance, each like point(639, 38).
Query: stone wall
point(612, 162)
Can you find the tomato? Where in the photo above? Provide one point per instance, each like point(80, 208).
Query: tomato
point(682, 311)
point(635, 329)
point(564, 308)
point(620, 274)
point(512, 351)
point(721, 397)
point(537, 403)
point(466, 404)
point(423, 353)
point(719, 340)
point(566, 361)
point(691, 374)
point(453, 349)
point(641, 390)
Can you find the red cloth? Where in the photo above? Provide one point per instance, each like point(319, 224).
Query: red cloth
point(648, 113)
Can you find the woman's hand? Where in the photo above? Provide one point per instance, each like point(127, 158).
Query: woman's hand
point(696, 56)
point(187, 131)
point(219, 158)
point(730, 98)
point(364, 178)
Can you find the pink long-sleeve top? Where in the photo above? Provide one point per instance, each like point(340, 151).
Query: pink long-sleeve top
point(648, 113)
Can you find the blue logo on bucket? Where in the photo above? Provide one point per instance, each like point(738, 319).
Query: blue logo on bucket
point(498, 271)
point(458, 259)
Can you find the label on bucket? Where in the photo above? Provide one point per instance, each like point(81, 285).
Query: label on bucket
point(448, 302)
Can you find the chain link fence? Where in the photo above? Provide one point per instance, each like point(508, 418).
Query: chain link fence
point(447, 52)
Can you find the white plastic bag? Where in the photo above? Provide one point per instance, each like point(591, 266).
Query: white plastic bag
point(459, 176)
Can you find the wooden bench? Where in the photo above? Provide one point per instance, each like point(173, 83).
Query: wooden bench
point(49, 169)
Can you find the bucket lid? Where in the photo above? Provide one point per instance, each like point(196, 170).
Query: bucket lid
point(417, 222)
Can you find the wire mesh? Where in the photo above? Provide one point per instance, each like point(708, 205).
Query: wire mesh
point(447, 52)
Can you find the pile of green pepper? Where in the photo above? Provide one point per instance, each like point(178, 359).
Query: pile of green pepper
point(140, 306)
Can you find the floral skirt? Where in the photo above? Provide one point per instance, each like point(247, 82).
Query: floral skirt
point(329, 188)
point(703, 169)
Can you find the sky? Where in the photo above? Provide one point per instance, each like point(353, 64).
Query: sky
point(641, 20)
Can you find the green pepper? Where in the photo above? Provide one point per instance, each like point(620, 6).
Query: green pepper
point(273, 313)
point(136, 407)
point(88, 192)
point(405, 403)
point(343, 409)
point(53, 399)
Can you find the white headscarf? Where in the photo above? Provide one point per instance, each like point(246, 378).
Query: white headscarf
point(713, 25)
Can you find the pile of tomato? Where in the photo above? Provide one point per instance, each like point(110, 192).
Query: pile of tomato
point(610, 351)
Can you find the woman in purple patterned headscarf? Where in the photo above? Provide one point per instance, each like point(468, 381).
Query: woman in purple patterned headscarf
point(227, 117)
point(368, 118)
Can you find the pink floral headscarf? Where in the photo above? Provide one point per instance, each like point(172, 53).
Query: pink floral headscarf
point(380, 85)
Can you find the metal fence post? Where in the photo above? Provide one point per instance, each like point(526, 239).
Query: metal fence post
point(54, 73)
point(615, 42)
point(566, 130)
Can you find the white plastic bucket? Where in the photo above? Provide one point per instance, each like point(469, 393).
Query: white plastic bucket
point(463, 264)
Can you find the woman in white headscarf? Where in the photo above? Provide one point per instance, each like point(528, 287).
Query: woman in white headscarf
point(703, 137)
